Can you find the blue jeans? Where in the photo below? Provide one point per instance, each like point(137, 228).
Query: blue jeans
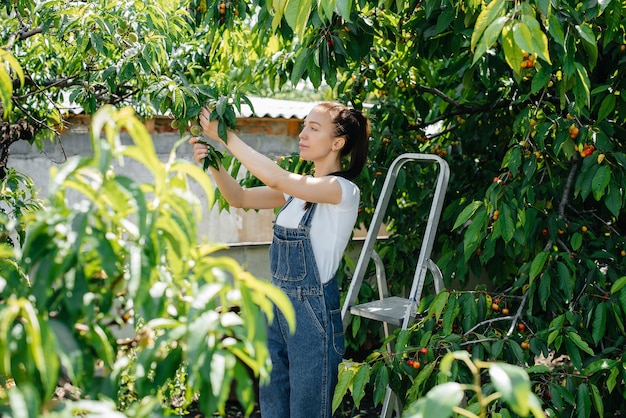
point(304, 364)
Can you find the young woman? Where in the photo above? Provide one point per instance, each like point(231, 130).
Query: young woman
point(311, 233)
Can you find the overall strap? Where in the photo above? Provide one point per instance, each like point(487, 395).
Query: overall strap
point(308, 216)
point(289, 199)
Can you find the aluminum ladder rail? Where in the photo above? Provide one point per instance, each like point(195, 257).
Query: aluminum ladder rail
point(396, 310)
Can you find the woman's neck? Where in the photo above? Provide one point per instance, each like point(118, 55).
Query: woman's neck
point(321, 173)
point(321, 169)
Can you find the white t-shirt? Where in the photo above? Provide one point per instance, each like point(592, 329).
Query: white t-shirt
point(331, 226)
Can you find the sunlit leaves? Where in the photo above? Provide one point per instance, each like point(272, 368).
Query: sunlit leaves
point(438, 402)
point(486, 19)
point(589, 41)
point(128, 244)
point(353, 378)
point(519, 35)
point(28, 347)
point(510, 382)
point(8, 62)
point(297, 15)
point(514, 385)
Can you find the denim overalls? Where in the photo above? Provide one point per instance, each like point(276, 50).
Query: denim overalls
point(304, 364)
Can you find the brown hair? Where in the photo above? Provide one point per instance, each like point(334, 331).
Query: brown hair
point(354, 127)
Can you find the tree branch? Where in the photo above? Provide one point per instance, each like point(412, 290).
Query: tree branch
point(441, 95)
point(568, 186)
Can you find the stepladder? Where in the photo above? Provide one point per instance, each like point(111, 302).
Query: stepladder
point(393, 310)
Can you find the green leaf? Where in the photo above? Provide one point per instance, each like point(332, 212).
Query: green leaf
point(599, 323)
point(544, 291)
point(6, 91)
point(166, 368)
point(513, 55)
point(449, 314)
point(613, 199)
point(423, 376)
point(402, 341)
point(576, 339)
point(589, 42)
point(611, 381)
point(513, 384)
point(485, 19)
point(523, 37)
point(438, 304)
point(489, 37)
point(222, 129)
point(583, 87)
point(13, 64)
point(600, 181)
point(475, 233)
point(600, 365)
point(361, 379)
point(101, 344)
point(617, 316)
point(515, 160)
point(42, 346)
point(24, 401)
point(537, 265)
point(381, 381)
point(574, 353)
point(567, 280)
point(606, 107)
point(6, 84)
point(300, 65)
point(516, 349)
point(576, 241)
point(618, 284)
point(344, 7)
point(466, 214)
point(586, 177)
point(439, 402)
point(621, 158)
point(326, 9)
point(538, 39)
point(507, 223)
point(297, 15)
point(596, 398)
point(583, 401)
point(622, 299)
point(346, 373)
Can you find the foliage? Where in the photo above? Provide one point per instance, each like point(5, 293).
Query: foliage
point(18, 199)
point(510, 383)
point(523, 99)
point(127, 254)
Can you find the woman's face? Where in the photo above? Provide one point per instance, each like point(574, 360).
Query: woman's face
point(317, 138)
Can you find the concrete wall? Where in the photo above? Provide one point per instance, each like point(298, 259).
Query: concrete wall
point(247, 233)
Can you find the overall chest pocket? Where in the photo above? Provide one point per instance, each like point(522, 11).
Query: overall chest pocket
point(288, 260)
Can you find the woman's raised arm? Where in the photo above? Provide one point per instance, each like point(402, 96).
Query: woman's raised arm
point(236, 195)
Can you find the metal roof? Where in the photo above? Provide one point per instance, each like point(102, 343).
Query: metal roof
point(274, 108)
point(263, 108)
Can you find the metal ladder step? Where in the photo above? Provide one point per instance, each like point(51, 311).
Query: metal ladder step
point(391, 310)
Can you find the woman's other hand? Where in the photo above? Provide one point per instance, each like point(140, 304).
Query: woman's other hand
point(200, 148)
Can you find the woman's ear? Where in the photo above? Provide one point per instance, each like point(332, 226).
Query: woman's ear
point(338, 143)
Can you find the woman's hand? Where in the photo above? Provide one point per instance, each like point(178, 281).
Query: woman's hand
point(210, 128)
point(200, 148)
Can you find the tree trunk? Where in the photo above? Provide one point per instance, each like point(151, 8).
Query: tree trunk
point(10, 133)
